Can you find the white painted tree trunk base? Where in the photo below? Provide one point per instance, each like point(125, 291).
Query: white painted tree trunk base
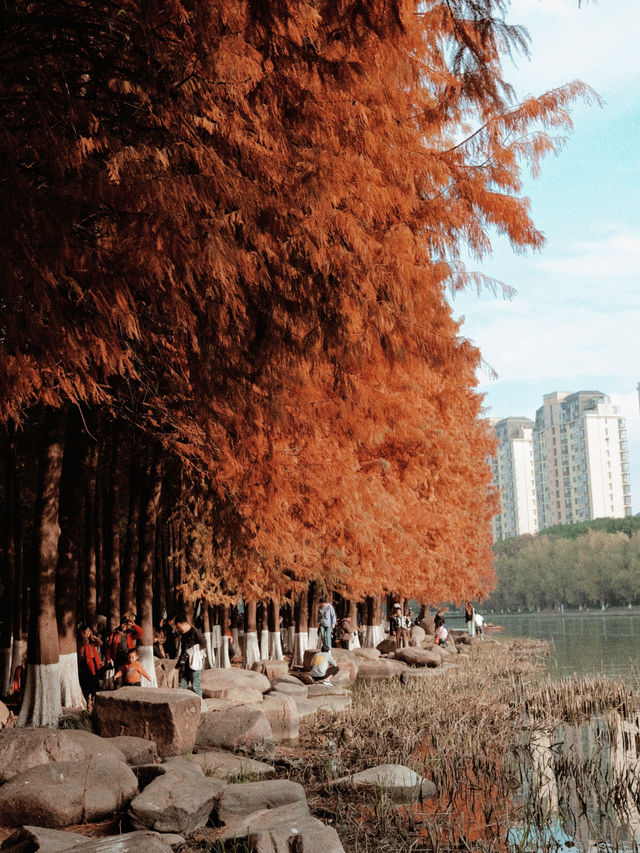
point(210, 659)
point(6, 671)
point(275, 646)
point(71, 695)
point(41, 706)
point(216, 643)
point(373, 634)
point(225, 662)
point(354, 642)
point(251, 650)
point(264, 644)
point(145, 654)
point(300, 646)
point(314, 638)
point(291, 638)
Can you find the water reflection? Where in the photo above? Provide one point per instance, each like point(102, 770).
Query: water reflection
point(581, 788)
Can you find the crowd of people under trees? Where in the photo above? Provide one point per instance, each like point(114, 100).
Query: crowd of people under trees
point(229, 363)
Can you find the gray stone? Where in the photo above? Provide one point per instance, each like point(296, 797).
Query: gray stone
point(63, 793)
point(241, 728)
point(169, 718)
point(136, 750)
point(365, 654)
point(324, 688)
point(273, 669)
point(418, 657)
point(30, 839)
point(230, 767)
point(5, 715)
point(306, 707)
point(400, 783)
point(283, 829)
point(282, 713)
point(290, 688)
point(233, 696)
point(418, 636)
point(180, 800)
point(248, 797)
point(23, 748)
point(373, 670)
point(129, 842)
point(216, 683)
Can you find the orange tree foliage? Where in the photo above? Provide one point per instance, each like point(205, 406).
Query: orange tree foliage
point(234, 225)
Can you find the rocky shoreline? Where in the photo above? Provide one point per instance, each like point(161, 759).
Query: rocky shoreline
point(166, 770)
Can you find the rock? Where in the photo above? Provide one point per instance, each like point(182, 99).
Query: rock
point(230, 767)
point(387, 646)
point(241, 728)
point(21, 749)
point(295, 687)
point(136, 750)
point(63, 793)
point(418, 657)
point(428, 625)
point(397, 781)
point(129, 842)
point(29, 839)
point(5, 715)
point(365, 654)
point(217, 682)
point(306, 707)
point(273, 669)
point(167, 675)
point(417, 635)
point(248, 797)
point(348, 665)
point(323, 688)
point(180, 800)
point(168, 717)
point(379, 668)
point(285, 828)
point(233, 696)
point(282, 713)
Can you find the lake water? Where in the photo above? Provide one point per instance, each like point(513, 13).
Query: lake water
point(582, 643)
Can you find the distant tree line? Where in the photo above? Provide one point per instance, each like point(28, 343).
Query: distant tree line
point(591, 564)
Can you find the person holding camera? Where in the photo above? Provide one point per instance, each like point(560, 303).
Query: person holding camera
point(122, 640)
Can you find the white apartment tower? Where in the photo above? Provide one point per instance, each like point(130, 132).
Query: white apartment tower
point(581, 459)
point(513, 474)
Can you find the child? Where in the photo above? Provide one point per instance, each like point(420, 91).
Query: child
point(441, 636)
point(131, 671)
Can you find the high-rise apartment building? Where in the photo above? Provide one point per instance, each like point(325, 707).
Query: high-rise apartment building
point(513, 474)
point(581, 459)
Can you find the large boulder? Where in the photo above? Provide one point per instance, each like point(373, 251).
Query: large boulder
point(387, 646)
point(23, 748)
point(248, 797)
point(418, 657)
point(242, 728)
point(365, 654)
point(5, 715)
point(417, 636)
point(290, 685)
point(180, 800)
point(285, 828)
point(130, 842)
point(282, 713)
point(233, 696)
point(229, 767)
point(375, 669)
point(167, 675)
point(217, 683)
point(63, 793)
point(169, 718)
point(329, 702)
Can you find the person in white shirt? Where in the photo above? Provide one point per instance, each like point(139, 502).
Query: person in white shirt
point(323, 666)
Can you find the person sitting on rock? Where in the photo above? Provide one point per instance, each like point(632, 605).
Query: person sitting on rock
point(131, 672)
point(323, 666)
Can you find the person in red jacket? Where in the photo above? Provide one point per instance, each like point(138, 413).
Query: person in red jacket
point(89, 663)
point(122, 640)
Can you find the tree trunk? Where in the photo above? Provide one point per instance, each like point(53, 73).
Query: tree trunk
point(275, 641)
point(132, 541)
point(264, 630)
point(314, 607)
point(91, 597)
point(68, 570)
point(8, 565)
point(113, 533)
point(145, 565)
point(353, 619)
point(41, 703)
point(251, 651)
point(225, 663)
point(301, 639)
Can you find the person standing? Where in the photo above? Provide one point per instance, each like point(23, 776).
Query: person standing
point(469, 613)
point(132, 672)
point(89, 663)
point(190, 656)
point(326, 622)
point(123, 640)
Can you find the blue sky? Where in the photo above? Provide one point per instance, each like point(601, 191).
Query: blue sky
point(574, 322)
